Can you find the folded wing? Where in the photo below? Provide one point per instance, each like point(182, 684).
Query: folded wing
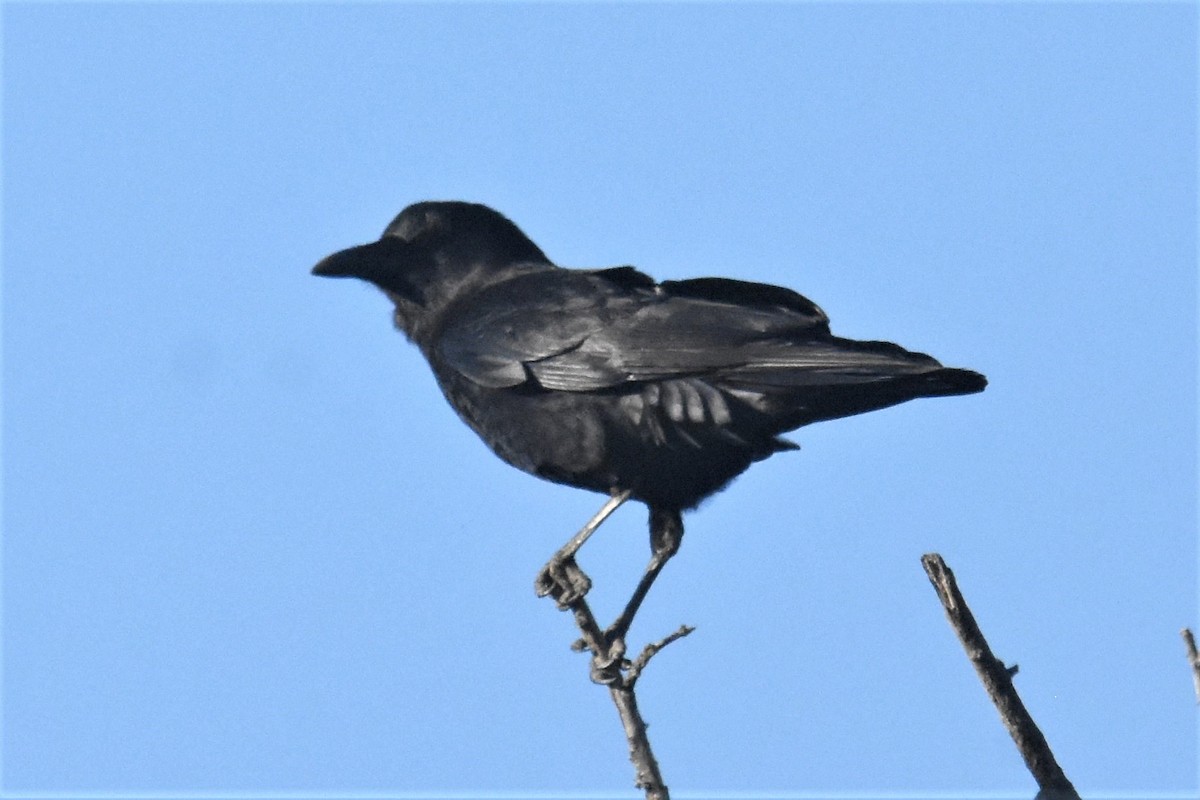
point(576, 331)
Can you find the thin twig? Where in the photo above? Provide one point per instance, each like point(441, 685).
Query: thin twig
point(650, 651)
point(997, 679)
point(1189, 642)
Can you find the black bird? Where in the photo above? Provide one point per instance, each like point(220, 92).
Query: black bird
point(607, 380)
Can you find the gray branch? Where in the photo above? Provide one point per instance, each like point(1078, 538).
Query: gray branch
point(1189, 642)
point(610, 668)
point(997, 679)
point(650, 651)
point(645, 765)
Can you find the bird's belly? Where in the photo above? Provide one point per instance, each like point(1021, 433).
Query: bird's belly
point(554, 435)
point(602, 442)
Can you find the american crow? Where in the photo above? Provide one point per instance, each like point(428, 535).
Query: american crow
point(607, 380)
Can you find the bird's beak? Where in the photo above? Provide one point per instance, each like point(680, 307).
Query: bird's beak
point(354, 262)
point(386, 263)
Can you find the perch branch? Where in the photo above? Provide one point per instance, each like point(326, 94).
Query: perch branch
point(562, 579)
point(997, 679)
point(609, 668)
point(645, 765)
point(1189, 642)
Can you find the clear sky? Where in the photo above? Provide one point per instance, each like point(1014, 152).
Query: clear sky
point(248, 548)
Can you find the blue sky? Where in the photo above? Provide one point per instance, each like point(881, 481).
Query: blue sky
point(247, 548)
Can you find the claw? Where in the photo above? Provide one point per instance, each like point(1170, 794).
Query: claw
point(608, 669)
point(563, 580)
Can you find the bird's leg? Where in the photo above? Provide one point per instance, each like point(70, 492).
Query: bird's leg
point(666, 534)
point(562, 578)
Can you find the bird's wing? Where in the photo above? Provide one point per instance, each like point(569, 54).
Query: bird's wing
point(496, 336)
point(574, 330)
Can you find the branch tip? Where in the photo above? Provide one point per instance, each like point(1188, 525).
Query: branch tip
point(1189, 641)
point(652, 649)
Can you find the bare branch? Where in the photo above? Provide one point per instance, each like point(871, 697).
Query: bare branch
point(997, 679)
point(609, 667)
point(563, 580)
point(648, 777)
point(593, 637)
point(1189, 642)
point(651, 650)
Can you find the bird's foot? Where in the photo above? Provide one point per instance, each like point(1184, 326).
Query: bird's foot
point(563, 580)
point(609, 667)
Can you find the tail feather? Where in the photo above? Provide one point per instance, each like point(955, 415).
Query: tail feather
point(832, 378)
point(948, 381)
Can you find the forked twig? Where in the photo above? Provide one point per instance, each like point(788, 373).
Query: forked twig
point(609, 667)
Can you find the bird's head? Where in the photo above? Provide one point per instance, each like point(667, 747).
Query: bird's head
point(433, 252)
